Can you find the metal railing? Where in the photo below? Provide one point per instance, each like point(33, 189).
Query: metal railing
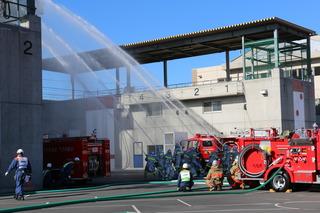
point(52, 93)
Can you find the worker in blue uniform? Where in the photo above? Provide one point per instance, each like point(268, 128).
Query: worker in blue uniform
point(47, 176)
point(177, 157)
point(22, 166)
point(151, 164)
point(161, 165)
point(67, 169)
point(185, 179)
point(169, 170)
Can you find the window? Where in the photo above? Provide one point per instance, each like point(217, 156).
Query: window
point(155, 149)
point(206, 143)
point(317, 71)
point(153, 109)
point(207, 107)
point(214, 106)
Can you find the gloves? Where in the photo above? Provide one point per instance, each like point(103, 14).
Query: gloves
point(5, 174)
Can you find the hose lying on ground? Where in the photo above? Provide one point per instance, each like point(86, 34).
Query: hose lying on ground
point(144, 195)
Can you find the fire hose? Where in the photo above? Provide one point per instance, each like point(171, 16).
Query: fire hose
point(242, 154)
point(145, 195)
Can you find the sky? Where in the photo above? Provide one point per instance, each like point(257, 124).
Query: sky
point(127, 21)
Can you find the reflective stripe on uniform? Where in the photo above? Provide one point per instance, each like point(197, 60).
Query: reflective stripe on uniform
point(185, 176)
point(22, 162)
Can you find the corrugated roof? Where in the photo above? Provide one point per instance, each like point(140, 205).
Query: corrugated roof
point(220, 29)
point(191, 44)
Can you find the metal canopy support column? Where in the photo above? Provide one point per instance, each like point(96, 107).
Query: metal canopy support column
point(72, 86)
point(309, 71)
point(165, 73)
point(227, 65)
point(128, 79)
point(276, 48)
point(243, 59)
point(117, 81)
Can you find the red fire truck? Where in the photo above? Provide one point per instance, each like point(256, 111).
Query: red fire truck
point(93, 153)
point(205, 145)
point(297, 154)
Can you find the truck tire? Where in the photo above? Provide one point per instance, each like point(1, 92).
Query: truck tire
point(281, 182)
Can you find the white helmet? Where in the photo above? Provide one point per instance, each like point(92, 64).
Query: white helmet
point(185, 166)
point(19, 151)
point(214, 163)
point(76, 159)
point(236, 160)
point(49, 165)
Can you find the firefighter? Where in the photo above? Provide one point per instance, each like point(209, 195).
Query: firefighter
point(187, 158)
point(66, 170)
point(214, 177)
point(185, 179)
point(47, 176)
point(169, 170)
point(151, 164)
point(161, 165)
point(235, 174)
point(177, 157)
point(23, 172)
point(195, 159)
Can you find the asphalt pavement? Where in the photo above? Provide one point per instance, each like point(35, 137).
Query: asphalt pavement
point(257, 201)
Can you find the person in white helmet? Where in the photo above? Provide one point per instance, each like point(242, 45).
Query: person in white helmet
point(185, 179)
point(235, 174)
point(214, 177)
point(67, 170)
point(23, 169)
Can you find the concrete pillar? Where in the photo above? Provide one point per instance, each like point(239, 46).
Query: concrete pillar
point(128, 78)
point(165, 74)
point(228, 66)
point(117, 81)
point(276, 48)
point(243, 59)
point(72, 86)
point(309, 71)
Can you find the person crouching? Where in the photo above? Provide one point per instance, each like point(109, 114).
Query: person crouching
point(185, 179)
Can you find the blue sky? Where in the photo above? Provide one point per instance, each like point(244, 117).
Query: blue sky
point(126, 21)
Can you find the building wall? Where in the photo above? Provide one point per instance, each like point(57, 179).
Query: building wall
point(20, 98)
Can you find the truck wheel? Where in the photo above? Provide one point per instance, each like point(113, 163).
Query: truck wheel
point(281, 182)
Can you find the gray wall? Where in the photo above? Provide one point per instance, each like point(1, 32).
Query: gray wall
point(20, 98)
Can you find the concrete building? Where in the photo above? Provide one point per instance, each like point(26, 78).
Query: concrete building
point(266, 91)
point(20, 89)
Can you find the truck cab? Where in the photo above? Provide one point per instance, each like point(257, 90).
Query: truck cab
point(204, 144)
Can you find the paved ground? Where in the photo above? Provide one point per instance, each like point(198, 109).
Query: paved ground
point(258, 201)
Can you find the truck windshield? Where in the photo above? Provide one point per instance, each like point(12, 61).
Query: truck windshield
point(207, 143)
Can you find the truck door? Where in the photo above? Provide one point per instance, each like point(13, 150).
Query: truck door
point(138, 155)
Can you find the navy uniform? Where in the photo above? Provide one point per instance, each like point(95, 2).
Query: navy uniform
point(23, 169)
point(169, 170)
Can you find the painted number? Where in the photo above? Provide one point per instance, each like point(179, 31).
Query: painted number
point(28, 47)
point(196, 91)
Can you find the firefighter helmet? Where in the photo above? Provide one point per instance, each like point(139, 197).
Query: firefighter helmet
point(19, 151)
point(185, 166)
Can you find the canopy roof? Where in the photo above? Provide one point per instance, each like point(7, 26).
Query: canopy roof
point(191, 44)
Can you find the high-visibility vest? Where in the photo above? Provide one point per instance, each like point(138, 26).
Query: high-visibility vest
point(22, 162)
point(185, 176)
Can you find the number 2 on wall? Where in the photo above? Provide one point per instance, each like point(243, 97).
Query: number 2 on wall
point(28, 47)
point(196, 91)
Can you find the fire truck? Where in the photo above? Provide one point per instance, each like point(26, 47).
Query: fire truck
point(297, 154)
point(93, 155)
point(204, 144)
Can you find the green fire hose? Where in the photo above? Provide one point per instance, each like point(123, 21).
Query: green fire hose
point(145, 195)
